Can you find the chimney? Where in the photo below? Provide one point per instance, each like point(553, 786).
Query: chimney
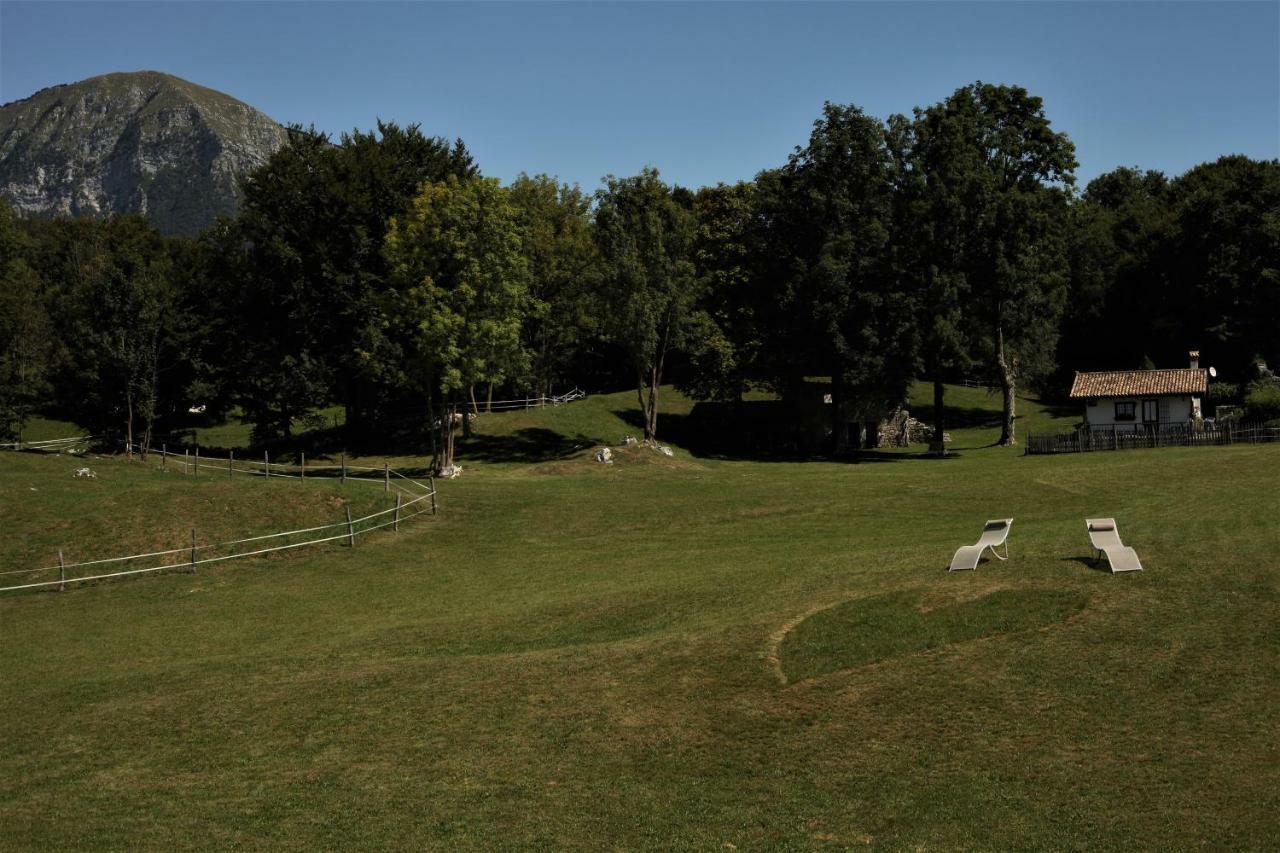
point(1195, 358)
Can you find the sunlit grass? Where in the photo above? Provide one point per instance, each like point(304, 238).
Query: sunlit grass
point(666, 653)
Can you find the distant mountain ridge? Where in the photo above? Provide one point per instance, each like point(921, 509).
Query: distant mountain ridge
point(141, 142)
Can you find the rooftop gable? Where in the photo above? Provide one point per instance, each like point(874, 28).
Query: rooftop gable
point(1140, 383)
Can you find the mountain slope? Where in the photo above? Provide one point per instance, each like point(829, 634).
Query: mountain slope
point(141, 142)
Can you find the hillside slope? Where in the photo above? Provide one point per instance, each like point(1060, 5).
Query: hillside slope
point(142, 142)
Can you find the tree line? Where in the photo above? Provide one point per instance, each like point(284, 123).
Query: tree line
point(382, 272)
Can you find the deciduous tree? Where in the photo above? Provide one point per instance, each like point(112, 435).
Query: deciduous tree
point(461, 294)
point(649, 288)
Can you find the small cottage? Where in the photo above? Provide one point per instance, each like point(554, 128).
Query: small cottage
point(1132, 400)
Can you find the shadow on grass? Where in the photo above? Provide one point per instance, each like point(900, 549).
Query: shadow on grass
point(1089, 563)
point(317, 444)
point(1058, 410)
point(529, 445)
point(751, 434)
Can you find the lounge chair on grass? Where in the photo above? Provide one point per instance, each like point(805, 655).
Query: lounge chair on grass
point(1106, 540)
point(994, 534)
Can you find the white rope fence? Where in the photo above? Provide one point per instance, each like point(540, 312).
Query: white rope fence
point(195, 464)
point(411, 501)
point(526, 403)
point(53, 444)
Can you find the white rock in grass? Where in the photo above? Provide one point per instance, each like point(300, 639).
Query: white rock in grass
point(665, 451)
point(604, 455)
point(86, 473)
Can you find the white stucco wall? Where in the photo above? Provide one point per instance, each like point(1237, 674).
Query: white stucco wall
point(1173, 410)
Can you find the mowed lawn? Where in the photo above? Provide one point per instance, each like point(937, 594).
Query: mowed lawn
point(667, 653)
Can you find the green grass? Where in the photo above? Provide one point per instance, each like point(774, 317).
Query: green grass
point(135, 507)
point(882, 627)
point(671, 653)
point(973, 415)
point(46, 429)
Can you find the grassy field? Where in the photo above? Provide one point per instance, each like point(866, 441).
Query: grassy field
point(666, 652)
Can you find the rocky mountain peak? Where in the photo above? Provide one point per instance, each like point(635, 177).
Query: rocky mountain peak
point(140, 142)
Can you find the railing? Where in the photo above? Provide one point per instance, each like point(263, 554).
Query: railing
point(52, 445)
point(1181, 435)
point(412, 499)
point(526, 403)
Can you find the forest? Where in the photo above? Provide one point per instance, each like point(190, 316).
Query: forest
point(383, 273)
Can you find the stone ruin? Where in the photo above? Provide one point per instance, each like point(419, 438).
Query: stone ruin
point(902, 430)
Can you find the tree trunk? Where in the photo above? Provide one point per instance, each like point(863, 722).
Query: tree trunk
point(1008, 387)
point(938, 446)
point(128, 423)
point(488, 402)
point(839, 422)
point(444, 440)
point(466, 416)
point(644, 407)
point(434, 432)
point(651, 414)
point(449, 434)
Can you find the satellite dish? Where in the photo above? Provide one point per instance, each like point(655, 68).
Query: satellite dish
point(1213, 371)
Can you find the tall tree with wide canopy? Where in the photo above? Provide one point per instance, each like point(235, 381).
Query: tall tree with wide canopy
point(564, 267)
point(125, 324)
point(25, 332)
point(1118, 308)
point(461, 294)
point(312, 278)
point(649, 288)
point(725, 344)
point(995, 168)
point(844, 310)
point(1225, 263)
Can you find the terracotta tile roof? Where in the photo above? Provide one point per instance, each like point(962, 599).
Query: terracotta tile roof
point(1139, 383)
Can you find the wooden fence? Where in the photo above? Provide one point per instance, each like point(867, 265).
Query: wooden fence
point(1086, 440)
point(412, 498)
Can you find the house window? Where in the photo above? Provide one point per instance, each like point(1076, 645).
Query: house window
point(1126, 411)
point(1150, 411)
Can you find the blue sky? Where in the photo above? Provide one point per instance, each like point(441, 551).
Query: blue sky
point(706, 92)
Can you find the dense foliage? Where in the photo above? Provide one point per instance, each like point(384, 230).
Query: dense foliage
point(381, 273)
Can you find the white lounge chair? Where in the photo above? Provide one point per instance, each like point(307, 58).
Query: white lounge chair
point(994, 534)
point(1106, 540)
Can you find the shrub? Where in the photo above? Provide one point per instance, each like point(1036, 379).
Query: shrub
point(1262, 403)
point(1223, 392)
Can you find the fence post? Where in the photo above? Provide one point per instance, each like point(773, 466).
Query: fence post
point(432, 482)
point(193, 549)
point(266, 465)
point(351, 531)
point(231, 455)
point(344, 464)
point(386, 477)
point(163, 460)
point(303, 468)
point(197, 471)
point(62, 572)
point(396, 526)
point(186, 461)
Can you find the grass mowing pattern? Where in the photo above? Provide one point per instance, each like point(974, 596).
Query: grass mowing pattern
point(576, 656)
point(887, 626)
